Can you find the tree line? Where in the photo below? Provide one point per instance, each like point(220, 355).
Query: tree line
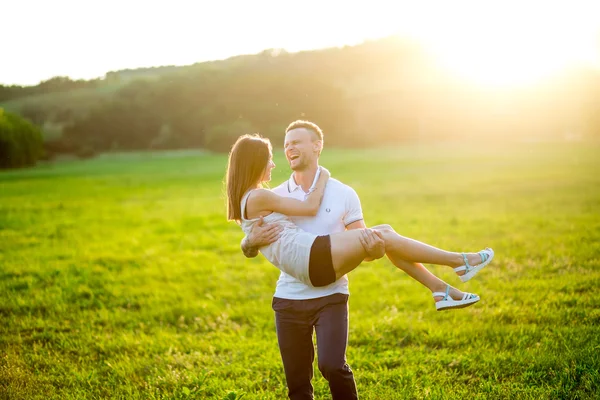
point(52, 85)
point(379, 92)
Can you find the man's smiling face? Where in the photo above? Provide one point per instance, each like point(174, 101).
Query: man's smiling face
point(301, 148)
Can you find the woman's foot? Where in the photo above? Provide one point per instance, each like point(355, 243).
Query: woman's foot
point(467, 265)
point(453, 298)
point(472, 258)
point(452, 292)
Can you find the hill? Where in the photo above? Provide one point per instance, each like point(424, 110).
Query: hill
point(381, 91)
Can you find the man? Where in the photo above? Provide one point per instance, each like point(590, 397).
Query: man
point(300, 309)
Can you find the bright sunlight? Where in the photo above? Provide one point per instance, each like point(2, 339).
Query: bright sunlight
point(490, 42)
point(512, 43)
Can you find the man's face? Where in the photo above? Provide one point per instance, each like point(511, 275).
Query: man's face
point(301, 149)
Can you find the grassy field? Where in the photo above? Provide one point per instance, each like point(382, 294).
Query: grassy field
point(120, 278)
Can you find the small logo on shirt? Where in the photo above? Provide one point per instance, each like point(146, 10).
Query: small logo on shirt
point(328, 209)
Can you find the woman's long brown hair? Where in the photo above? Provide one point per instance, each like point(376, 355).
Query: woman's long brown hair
point(248, 160)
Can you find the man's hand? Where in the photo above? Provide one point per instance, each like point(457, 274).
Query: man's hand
point(261, 235)
point(373, 243)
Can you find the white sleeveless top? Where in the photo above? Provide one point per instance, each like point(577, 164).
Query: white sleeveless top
point(291, 252)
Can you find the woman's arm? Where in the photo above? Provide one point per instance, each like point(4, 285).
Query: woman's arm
point(316, 196)
point(266, 200)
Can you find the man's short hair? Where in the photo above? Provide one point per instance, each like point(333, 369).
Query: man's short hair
point(306, 125)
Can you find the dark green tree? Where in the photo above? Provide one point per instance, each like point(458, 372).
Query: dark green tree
point(20, 141)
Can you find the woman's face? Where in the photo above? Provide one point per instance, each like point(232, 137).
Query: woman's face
point(267, 174)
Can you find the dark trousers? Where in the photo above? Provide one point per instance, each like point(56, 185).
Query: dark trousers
point(295, 321)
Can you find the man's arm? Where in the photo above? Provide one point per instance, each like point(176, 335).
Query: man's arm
point(371, 240)
point(261, 235)
point(356, 225)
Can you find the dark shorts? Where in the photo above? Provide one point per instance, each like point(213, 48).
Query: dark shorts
point(320, 264)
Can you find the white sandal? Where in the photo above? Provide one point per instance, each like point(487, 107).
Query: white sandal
point(448, 302)
point(486, 257)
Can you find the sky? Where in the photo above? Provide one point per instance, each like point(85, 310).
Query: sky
point(495, 42)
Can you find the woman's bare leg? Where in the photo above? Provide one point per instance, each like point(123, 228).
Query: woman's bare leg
point(408, 254)
point(347, 253)
point(422, 275)
point(412, 250)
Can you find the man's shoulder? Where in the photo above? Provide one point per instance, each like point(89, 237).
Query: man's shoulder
point(340, 186)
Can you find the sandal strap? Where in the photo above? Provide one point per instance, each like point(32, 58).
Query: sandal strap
point(484, 255)
point(445, 294)
point(468, 296)
point(467, 265)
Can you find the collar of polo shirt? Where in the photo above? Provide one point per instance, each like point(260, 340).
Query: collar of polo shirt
point(292, 185)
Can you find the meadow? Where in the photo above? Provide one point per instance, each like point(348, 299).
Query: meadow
point(121, 278)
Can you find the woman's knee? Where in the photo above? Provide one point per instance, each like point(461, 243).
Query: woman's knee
point(388, 234)
point(384, 228)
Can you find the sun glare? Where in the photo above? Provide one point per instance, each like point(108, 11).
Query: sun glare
point(511, 45)
point(491, 42)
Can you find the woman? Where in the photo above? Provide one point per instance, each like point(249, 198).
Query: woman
point(249, 167)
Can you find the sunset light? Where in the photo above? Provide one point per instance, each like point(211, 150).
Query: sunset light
point(498, 43)
point(276, 199)
point(512, 43)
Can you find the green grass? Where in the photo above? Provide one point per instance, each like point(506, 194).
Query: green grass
point(120, 278)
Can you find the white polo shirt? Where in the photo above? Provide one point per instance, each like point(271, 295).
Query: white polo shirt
point(340, 207)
